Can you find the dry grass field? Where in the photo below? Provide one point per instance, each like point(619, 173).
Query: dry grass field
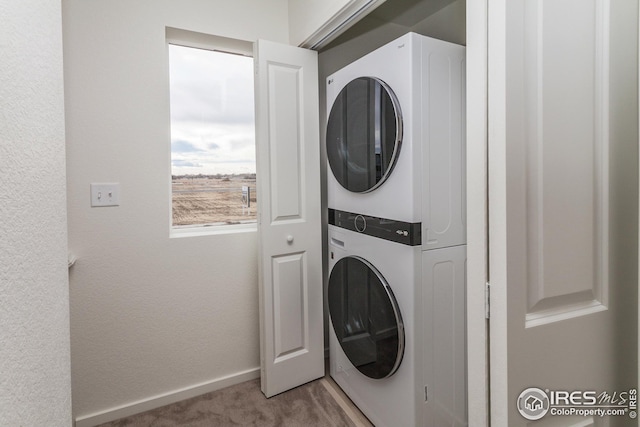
point(212, 201)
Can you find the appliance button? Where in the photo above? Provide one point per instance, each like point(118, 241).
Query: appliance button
point(360, 223)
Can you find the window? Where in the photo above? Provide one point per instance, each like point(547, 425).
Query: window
point(213, 165)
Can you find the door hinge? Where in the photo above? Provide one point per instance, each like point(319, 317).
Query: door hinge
point(426, 395)
point(487, 300)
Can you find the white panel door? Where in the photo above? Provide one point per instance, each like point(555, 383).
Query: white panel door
point(289, 228)
point(552, 322)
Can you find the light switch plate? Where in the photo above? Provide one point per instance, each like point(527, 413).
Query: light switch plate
point(105, 194)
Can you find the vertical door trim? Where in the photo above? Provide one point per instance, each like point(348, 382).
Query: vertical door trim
point(497, 209)
point(477, 222)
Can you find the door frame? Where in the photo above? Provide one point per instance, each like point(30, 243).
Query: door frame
point(478, 400)
point(477, 131)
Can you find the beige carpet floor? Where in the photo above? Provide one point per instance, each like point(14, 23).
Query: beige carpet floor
point(312, 404)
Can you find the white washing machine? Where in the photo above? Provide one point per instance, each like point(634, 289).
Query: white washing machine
point(395, 137)
point(397, 328)
point(397, 234)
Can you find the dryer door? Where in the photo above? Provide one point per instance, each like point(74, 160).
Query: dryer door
point(364, 134)
point(366, 317)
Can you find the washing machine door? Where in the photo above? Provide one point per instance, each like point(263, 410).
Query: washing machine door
point(364, 134)
point(365, 317)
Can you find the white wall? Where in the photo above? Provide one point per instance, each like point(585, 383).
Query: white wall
point(150, 315)
point(306, 16)
point(35, 386)
point(316, 22)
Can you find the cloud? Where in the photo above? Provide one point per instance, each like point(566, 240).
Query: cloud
point(210, 86)
point(181, 146)
point(233, 161)
point(212, 112)
point(185, 163)
point(242, 142)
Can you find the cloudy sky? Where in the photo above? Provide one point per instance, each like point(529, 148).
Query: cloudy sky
point(212, 116)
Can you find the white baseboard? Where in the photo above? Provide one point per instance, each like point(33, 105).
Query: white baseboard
point(165, 399)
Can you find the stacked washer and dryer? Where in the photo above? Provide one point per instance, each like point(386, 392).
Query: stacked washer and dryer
point(397, 254)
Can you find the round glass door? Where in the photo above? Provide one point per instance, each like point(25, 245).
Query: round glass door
point(365, 317)
point(364, 134)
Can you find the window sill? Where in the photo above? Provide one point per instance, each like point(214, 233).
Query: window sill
point(210, 230)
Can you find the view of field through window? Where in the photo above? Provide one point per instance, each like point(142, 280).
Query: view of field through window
point(212, 199)
point(213, 179)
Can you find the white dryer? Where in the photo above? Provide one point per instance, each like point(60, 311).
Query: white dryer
point(397, 328)
point(395, 137)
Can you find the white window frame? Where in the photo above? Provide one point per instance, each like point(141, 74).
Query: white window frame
point(186, 38)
